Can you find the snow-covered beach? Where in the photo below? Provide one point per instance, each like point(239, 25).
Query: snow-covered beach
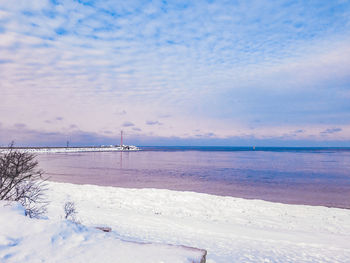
point(33, 240)
point(230, 229)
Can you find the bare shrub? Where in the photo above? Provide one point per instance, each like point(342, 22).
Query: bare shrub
point(21, 180)
point(70, 211)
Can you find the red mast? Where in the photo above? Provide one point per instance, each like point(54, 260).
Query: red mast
point(121, 138)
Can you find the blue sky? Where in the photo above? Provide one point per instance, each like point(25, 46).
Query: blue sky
point(175, 72)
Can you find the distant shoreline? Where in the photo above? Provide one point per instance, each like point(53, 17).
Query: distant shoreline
point(193, 147)
point(61, 149)
point(55, 147)
point(117, 148)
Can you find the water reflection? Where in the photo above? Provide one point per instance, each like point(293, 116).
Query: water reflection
point(320, 178)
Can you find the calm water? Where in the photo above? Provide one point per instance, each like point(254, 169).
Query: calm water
point(301, 176)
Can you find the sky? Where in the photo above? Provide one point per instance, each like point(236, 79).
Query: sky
point(264, 72)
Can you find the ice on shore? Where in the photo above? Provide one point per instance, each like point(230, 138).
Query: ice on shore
point(230, 229)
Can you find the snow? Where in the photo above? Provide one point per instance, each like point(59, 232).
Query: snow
point(230, 229)
point(31, 240)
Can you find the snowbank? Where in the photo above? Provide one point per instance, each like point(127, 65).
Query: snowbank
point(230, 229)
point(31, 240)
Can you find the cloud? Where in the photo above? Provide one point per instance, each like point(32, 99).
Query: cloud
point(331, 131)
point(54, 120)
point(122, 112)
point(128, 124)
point(33, 137)
point(20, 125)
point(5, 61)
point(136, 129)
point(205, 135)
point(153, 123)
point(164, 115)
point(216, 65)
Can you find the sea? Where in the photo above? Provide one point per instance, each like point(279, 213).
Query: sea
point(309, 176)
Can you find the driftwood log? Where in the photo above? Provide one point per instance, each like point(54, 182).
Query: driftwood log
point(104, 228)
point(203, 252)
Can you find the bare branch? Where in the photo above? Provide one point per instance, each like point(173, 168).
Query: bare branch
point(21, 180)
point(70, 211)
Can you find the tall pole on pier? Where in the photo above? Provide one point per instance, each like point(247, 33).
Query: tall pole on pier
point(121, 138)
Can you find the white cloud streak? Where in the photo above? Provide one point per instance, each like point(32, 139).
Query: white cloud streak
point(191, 61)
